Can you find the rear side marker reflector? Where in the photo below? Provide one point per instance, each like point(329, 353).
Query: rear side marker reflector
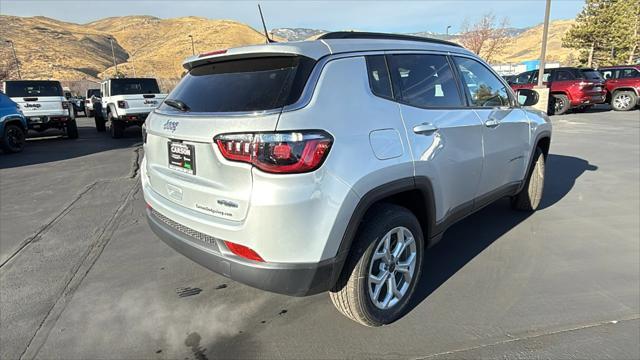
point(277, 152)
point(243, 251)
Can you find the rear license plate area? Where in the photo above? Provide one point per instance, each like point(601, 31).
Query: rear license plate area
point(182, 157)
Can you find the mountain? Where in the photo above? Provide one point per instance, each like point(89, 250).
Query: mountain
point(157, 47)
point(297, 34)
point(150, 46)
point(48, 48)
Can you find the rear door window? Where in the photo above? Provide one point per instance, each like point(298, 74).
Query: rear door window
point(134, 86)
point(564, 75)
point(33, 88)
point(629, 73)
point(483, 88)
point(255, 84)
point(522, 78)
point(424, 81)
point(591, 75)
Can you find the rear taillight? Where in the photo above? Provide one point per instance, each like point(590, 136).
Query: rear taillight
point(65, 105)
point(243, 251)
point(278, 152)
point(122, 104)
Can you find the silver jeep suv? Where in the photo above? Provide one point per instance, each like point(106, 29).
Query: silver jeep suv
point(332, 164)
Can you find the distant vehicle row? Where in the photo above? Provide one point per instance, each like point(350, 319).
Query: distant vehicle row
point(580, 88)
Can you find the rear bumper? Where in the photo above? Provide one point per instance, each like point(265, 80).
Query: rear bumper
point(589, 99)
point(137, 118)
point(294, 279)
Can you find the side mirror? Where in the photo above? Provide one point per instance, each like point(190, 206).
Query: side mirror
point(527, 97)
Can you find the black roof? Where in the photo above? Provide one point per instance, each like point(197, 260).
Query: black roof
point(382, 36)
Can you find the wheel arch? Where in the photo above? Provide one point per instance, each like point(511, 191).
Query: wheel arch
point(14, 121)
point(624, 88)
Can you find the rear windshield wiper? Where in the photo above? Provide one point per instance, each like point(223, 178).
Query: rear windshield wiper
point(177, 104)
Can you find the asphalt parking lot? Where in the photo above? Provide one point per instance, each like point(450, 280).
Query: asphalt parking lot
point(82, 276)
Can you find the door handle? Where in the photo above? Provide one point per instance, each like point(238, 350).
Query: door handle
point(425, 129)
point(491, 123)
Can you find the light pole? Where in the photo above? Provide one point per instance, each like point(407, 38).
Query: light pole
point(448, 27)
point(193, 48)
point(113, 54)
point(543, 52)
point(15, 57)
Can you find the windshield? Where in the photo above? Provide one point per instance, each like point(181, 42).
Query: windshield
point(33, 88)
point(134, 86)
point(243, 85)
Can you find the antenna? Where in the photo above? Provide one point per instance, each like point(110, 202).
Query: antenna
point(264, 26)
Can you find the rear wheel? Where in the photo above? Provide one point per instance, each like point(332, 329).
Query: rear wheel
point(116, 127)
point(560, 104)
point(13, 139)
point(100, 124)
point(528, 199)
point(72, 129)
point(383, 267)
point(623, 100)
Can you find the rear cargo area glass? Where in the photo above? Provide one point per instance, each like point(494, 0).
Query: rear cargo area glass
point(134, 86)
point(33, 88)
point(254, 84)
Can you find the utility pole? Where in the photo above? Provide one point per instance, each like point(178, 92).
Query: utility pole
point(448, 27)
point(113, 54)
point(193, 48)
point(15, 57)
point(543, 52)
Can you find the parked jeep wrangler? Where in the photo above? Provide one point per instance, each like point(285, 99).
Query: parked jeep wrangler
point(333, 164)
point(43, 104)
point(126, 102)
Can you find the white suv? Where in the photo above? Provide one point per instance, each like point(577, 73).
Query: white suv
point(331, 165)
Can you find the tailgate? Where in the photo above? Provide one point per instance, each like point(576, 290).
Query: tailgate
point(42, 106)
point(142, 103)
point(217, 187)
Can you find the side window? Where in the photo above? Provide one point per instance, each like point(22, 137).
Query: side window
point(629, 73)
point(482, 86)
point(564, 75)
point(424, 81)
point(545, 77)
point(522, 78)
point(379, 76)
point(607, 74)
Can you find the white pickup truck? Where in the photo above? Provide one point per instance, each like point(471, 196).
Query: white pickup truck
point(126, 102)
point(43, 104)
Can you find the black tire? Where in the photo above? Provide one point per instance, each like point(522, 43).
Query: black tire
point(100, 124)
point(623, 100)
point(560, 104)
point(116, 127)
point(351, 294)
point(528, 199)
point(13, 139)
point(72, 129)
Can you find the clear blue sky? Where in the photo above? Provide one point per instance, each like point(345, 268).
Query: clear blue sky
point(387, 16)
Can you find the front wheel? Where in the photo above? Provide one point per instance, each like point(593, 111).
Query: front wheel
point(13, 139)
point(623, 100)
point(528, 199)
point(383, 268)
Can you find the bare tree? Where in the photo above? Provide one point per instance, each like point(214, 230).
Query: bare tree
point(486, 37)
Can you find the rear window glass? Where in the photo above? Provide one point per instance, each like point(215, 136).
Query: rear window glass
point(93, 92)
point(591, 75)
point(134, 86)
point(33, 88)
point(243, 85)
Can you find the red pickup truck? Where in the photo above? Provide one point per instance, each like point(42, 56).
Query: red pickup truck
point(569, 87)
point(623, 86)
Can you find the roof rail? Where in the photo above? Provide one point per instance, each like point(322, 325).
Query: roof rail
point(382, 36)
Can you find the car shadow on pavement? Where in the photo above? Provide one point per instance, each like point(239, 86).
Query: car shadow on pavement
point(51, 146)
point(468, 238)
